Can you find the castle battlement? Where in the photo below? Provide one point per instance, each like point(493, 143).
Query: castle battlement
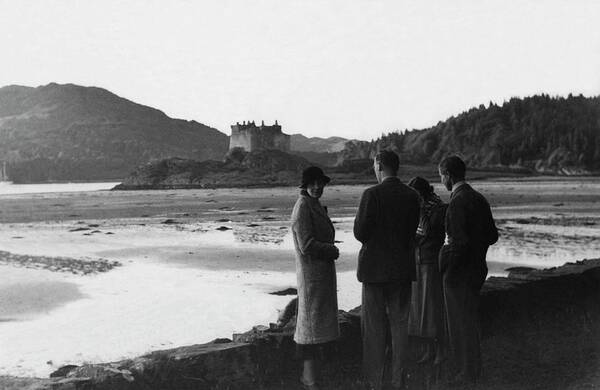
point(248, 136)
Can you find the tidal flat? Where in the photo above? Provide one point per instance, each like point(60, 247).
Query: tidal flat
point(188, 266)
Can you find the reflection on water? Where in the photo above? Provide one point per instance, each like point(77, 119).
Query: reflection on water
point(539, 245)
point(542, 245)
point(224, 286)
point(23, 300)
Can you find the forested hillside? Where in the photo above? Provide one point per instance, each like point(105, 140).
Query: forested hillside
point(539, 133)
point(69, 132)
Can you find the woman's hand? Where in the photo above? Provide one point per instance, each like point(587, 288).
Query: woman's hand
point(335, 252)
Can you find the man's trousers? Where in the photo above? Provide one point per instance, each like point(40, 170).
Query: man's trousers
point(385, 308)
point(462, 324)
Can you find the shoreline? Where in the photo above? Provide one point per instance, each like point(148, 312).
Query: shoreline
point(476, 175)
point(514, 357)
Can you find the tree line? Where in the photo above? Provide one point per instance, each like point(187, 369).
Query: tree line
point(539, 133)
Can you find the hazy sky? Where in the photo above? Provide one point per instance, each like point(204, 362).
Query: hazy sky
point(349, 68)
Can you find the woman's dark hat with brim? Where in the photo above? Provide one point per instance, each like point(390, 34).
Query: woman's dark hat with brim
point(312, 174)
point(421, 185)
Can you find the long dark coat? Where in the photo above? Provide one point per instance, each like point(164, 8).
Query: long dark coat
point(313, 235)
point(426, 315)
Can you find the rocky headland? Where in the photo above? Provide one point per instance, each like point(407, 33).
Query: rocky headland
point(239, 169)
point(263, 168)
point(266, 168)
point(540, 329)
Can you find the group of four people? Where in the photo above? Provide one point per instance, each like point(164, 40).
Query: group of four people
point(421, 265)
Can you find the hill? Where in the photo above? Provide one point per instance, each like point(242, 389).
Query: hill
point(300, 143)
point(320, 151)
point(540, 134)
point(68, 132)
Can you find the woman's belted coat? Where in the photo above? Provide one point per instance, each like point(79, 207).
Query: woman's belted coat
point(313, 235)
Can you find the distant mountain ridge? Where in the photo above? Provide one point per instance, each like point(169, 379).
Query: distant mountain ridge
point(319, 151)
point(539, 134)
point(301, 143)
point(69, 132)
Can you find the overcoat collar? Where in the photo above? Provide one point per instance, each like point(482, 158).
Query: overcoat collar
point(464, 186)
point(316, 205)
point(391, 179)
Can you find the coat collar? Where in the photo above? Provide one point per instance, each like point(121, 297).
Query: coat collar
point(458, 184)
point(460, 187)
point(316, 206)
point(391, 179)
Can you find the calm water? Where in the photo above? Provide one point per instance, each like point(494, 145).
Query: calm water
point(530, 245)
point(13, 189)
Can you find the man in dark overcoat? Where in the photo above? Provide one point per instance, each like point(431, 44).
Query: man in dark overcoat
point(470, 230)
point(385, 224)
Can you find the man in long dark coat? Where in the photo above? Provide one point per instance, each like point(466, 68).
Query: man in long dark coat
point(470, 230)
point(385, 224)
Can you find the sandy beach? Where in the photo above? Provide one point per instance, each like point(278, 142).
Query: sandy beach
point(105, 275)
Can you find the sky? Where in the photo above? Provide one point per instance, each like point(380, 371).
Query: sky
point(354, 69)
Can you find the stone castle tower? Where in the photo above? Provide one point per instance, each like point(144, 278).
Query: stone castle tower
point(252, 138)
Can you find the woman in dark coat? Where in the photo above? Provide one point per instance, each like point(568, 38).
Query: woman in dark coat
point(313, 235)
point(426, 316)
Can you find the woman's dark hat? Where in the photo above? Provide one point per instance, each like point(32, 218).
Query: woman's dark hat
point(312, 174)
point(421, 185)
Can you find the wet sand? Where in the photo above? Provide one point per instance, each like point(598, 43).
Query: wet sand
point(512, 197)
point(177, 248)
point(20, 300)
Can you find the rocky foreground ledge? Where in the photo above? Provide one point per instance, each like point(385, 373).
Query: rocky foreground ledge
point(540, 329)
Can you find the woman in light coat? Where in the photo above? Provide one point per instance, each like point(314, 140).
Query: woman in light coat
point(313, 235)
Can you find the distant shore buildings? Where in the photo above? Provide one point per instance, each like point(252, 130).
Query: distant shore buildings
point(252, 138)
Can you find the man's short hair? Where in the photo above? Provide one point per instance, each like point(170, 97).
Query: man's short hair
point(453, 166)
point(388, 159)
